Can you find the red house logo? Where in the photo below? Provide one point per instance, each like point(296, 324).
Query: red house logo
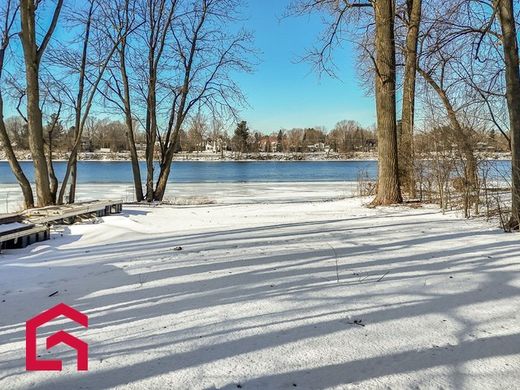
point(32, 363)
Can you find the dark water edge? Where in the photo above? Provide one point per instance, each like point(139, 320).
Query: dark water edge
point(105, 172)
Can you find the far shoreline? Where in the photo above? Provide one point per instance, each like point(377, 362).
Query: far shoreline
point(228, 157)
point(214, 161)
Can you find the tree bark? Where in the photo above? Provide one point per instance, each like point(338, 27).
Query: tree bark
point(406, 148)
point(388, 188)
point(505, 11)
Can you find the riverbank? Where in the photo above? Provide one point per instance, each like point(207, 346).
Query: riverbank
point(236, 157)
point(302, 295)
point(25, 155)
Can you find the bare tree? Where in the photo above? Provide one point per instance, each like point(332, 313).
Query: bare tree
point(348, 136)
point(158, 18)
point(197, 133)
point(383, 59)
point(121, 15)
point(412, 18)
point(506, 16)
point(151, 22)
point(33, 53)
point(9, 14)
point(460, 62)
point(186, 68)
point(207, 55)
point(96, 54)
point(388, 188)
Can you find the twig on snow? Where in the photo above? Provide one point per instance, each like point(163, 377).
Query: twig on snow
point(381, 278)
point(336, 258)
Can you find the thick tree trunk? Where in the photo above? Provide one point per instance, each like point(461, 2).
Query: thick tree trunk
point(164, 174)
point(166, 161)
point(28, 197)
point(505, 11)
point(167, 158)
point(34, 114)
point(406, 149)
point(73, 181)
point(388, 188)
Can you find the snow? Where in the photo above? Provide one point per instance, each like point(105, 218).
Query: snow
point(307, 294)
point(229, 193)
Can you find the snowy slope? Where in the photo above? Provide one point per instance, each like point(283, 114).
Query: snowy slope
point(292, 295)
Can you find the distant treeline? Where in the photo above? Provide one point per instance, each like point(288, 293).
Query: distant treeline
point(202, 135)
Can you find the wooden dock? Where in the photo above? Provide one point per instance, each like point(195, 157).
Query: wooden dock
point(19, 235)
point(68, 214)
point(22, 229)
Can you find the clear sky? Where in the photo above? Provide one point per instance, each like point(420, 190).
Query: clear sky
point(283, 93)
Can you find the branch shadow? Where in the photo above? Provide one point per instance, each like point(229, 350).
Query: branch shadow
point(280, 282)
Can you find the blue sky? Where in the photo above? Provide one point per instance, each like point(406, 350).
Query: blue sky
point(285, 94)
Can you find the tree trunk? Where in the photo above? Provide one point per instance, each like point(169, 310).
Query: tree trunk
point(164, 173)
point(28, 197)
point(50, 166)
point(388, 189)
point(79, 104)
point(34, 114)
point(406, 149)
point(166, 161)
point(151, 135)
point(505, 11)
point(136, 170)
point(5, 142)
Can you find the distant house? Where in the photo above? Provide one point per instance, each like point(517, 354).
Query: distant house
point(217, 145)
point(485, 147)
point(370, 144)
point(318, 147)
point(211, 146)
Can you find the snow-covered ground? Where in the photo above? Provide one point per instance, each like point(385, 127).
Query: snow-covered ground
point(223, 193)
point(303, 295)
